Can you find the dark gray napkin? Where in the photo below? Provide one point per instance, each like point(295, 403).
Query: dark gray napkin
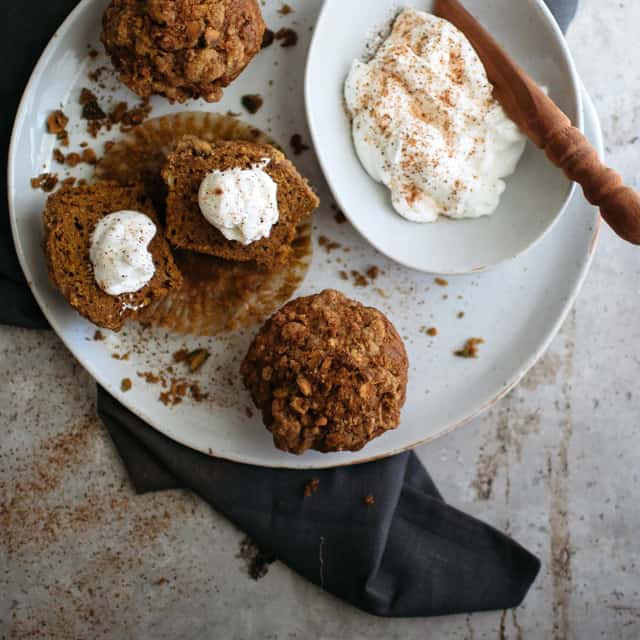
point(407, 554)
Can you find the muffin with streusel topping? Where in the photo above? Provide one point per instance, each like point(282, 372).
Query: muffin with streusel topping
point(181, 48)
point(327, 373)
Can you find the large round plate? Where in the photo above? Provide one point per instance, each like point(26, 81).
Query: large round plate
point(517, 308)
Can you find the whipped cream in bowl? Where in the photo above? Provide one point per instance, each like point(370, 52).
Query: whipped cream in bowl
point(426, 125)
point(418, 154)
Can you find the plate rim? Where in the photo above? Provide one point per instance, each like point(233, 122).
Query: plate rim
point(318, 464)
point(571, 190)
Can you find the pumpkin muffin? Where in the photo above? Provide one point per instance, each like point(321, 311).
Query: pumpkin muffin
point(327, 373)
point(70, 217)
point(187, 228)
point(181, 49)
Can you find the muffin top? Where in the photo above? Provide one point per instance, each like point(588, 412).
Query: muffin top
point(181, 48)
point(328, 373)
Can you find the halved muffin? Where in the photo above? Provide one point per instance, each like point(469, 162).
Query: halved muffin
point(70, 217)
point(187, 228)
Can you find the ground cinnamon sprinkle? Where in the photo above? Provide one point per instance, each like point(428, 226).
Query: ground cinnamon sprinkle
point(126, 384)
point(470, 349)
point(432, 331)
point(441, 282)
point(311, 487)
point(285, 10)
point(460, 315)
point(98, 335)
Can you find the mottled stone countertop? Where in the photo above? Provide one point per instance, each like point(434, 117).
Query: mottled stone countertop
point(556, 464)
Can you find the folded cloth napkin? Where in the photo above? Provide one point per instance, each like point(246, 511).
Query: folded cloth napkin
point(408, 553)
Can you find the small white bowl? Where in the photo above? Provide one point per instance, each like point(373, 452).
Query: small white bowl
point(536, 194)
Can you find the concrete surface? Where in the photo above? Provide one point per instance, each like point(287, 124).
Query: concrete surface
point(555, 464)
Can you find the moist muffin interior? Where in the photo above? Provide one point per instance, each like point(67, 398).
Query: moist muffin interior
point(187, 228)
point(70, 217)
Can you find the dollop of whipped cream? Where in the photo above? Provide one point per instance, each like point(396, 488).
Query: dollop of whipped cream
point(241, 203)
point(119, 252)
point(425, 122)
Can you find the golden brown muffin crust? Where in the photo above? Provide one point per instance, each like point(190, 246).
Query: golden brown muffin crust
point(70, 217)
point(181, 48)
point(188, 229)
point(327, 373)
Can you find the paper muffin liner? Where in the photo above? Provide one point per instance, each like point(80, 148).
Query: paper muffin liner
point(217, 295)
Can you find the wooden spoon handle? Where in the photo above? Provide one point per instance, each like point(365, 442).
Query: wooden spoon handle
point(619, 205)
point(548, 127)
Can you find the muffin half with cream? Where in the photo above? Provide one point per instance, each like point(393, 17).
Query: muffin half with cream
point(236, 200)
point(106, 251)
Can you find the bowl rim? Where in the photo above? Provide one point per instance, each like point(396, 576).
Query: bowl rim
point(325, 163)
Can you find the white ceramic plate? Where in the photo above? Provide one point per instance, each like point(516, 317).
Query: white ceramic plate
point(536, 194)
point(516, 308)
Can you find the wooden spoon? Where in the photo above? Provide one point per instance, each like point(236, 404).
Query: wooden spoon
point(548, 127)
